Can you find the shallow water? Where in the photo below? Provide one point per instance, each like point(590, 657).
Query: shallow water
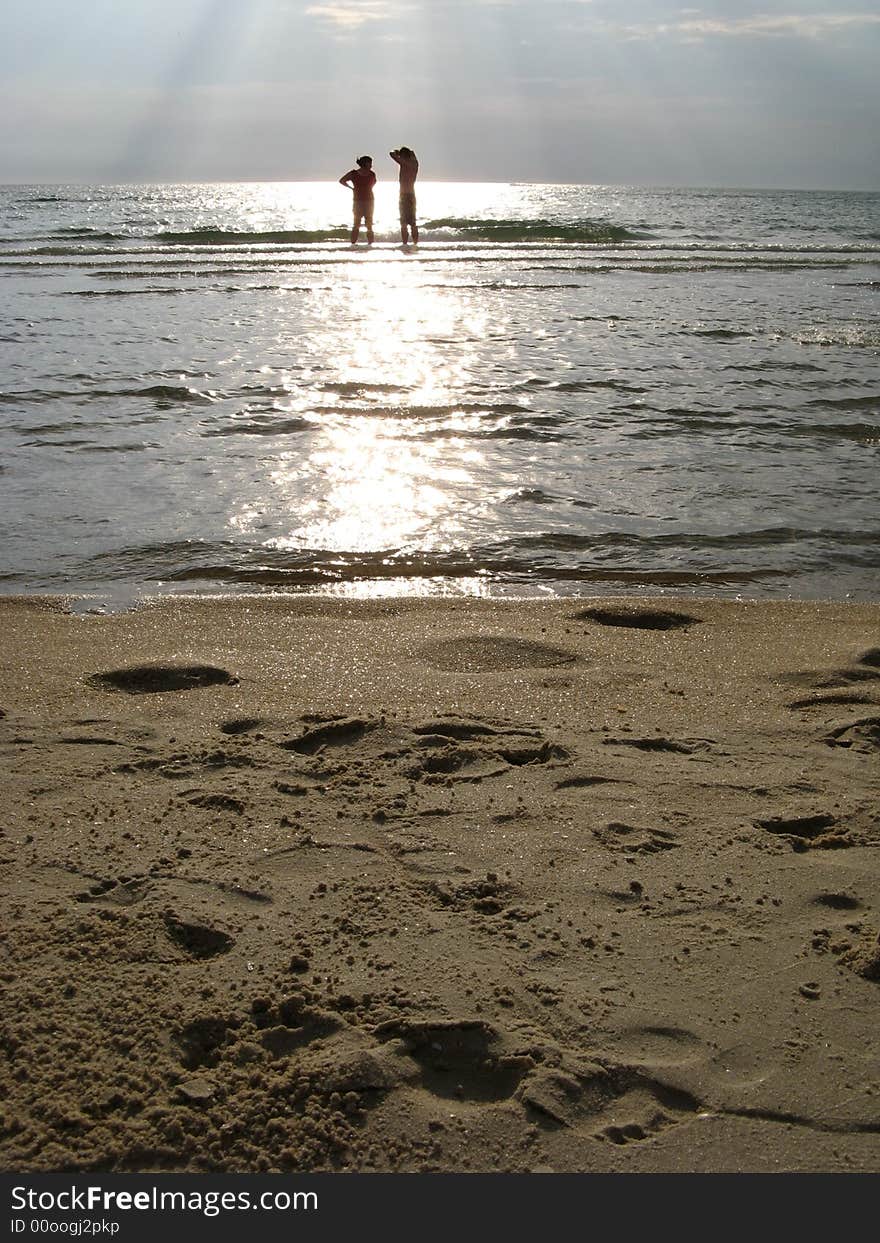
point(562, 390)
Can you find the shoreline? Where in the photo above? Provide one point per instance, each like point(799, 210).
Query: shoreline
point(88, 602)
point(442, 884)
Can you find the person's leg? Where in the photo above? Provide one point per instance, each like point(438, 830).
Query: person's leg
point(356, 227)
point(368, 221)
point(408, 218)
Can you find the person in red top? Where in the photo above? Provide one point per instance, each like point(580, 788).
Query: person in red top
point(361, 179)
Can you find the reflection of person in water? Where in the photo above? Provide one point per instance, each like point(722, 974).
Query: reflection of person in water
point(409, 170)
point(361, 179)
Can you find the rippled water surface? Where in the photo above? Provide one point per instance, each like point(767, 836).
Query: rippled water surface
point(562, 390)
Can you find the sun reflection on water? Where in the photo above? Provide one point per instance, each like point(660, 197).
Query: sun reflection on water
point(379, 492)
point(383, 471)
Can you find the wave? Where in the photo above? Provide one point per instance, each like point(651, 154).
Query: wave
point(97, 235)
point(767, 431)
point(70, 251)
point(132, 293)
point(530, 496)
point(616, 543)
point(706, 244)
point(407, 411)
point(611, 551)
point(322, 573)
point(462, 228)
point(529, 230)
point(869, 401)
point(159, 392)
point(171, 393)
point(260, 425)
point(212, 236)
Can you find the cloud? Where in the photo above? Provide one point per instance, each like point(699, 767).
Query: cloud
point(354, 13)
point(348, 15)
point(800, 25)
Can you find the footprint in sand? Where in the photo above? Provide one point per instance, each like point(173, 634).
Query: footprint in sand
point(633, 840)
point(218, 802)
point(186, 765)
point(581, 781)
point(471, 750)
point(493, 654)
point(854, 947)
point(195, 939)
point(638, 619)
point(456, 1058)
point(655, 1045)
point(487, 897)
point(240, 725)
point(291, 1024)
point(466, 729)
point(864, 959)
point(682, 746)
point(652, 1106)
point(618, 1103)
point(862, 735)
point(201, 1041)
point(156, 679)
point(124, 891)
point(442, 749)
point(837, 901)
point(820, 830)
point(865, 669)
point(831, 701)
point(329, 732)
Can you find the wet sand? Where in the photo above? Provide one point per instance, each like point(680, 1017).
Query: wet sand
point(439, 886)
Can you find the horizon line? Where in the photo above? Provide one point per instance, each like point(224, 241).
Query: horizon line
point(490, 181)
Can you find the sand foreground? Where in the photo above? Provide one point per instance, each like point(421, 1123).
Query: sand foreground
point(437, 886)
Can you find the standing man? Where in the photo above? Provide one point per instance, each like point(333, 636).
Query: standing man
point(409, 170)
point(361, 179)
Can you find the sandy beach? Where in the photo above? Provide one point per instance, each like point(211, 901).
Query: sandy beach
point(305, 884)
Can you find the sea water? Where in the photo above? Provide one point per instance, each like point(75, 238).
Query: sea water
point(561, 390)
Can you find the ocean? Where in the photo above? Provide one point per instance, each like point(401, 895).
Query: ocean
point(563, 390)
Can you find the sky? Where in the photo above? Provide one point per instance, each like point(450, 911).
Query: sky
point(627, 92)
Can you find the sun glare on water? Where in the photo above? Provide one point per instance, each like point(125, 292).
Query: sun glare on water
point(388, 460)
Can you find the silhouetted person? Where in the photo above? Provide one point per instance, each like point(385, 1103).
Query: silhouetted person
point(361, 179)
point(409, 170)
